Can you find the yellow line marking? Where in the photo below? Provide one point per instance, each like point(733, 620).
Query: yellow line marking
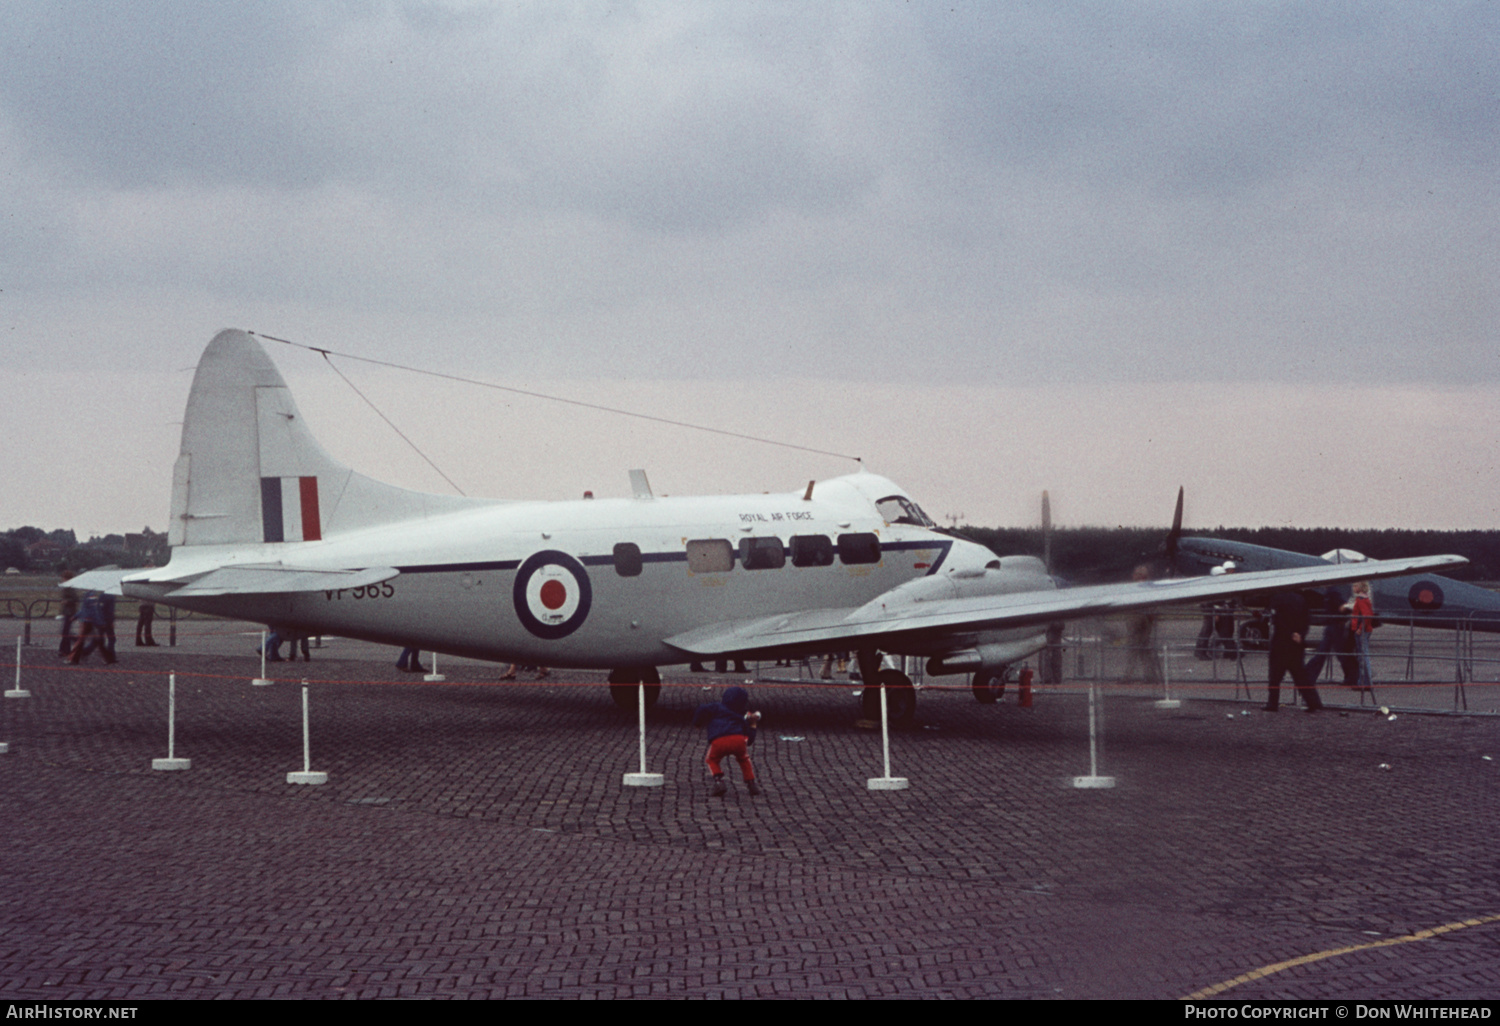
point(1269, 970)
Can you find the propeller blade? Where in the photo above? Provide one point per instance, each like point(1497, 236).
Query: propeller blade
point(1046, 531)
point(1169, 547)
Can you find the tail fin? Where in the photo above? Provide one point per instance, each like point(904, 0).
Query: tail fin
point(251, 472)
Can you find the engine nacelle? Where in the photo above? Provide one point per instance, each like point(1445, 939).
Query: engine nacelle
point(1001, 577)
point(988, 656)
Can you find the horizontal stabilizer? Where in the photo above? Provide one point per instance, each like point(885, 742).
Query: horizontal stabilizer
point(893, 616)
point(278, 579)
point(106, 579)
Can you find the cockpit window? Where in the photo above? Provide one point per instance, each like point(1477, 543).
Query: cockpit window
point(898, 509)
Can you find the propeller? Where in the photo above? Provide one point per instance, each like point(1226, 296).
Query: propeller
point(1046, 531)
point(1169, 545)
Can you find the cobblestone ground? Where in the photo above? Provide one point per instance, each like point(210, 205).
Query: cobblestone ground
point(474, 840)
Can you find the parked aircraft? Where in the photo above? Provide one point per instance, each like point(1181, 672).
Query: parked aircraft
point(266, 526)
point(1425, 600)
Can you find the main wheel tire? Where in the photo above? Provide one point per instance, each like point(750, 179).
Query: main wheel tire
point(624, 686)
point(1254, 636)
point(900, 698)
point(989, 685)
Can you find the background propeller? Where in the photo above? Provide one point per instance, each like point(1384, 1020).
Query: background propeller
point(1169, 544)
point(1046, 532)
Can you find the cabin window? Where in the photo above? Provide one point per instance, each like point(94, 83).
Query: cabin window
point(859, 548)
point(762, 554)
point(710, 556)
point(812, 550)
point(628, 559)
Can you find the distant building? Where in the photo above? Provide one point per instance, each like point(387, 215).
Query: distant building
point(44, 549)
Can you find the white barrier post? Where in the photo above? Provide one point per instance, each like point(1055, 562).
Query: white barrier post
point(1093, 780)
point(887, 782)
point(262, 680)
point(18, 691)
point(1166, 701)
point(434, 677)
point(643, 778)
point(171, 762)
point(5, 745)
point(308, 774)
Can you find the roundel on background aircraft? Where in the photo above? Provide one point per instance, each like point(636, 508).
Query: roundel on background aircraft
point(552, 594)
point(1425, 595)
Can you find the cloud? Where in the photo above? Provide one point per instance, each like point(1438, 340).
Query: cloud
point(958, 193)
point(157, 93)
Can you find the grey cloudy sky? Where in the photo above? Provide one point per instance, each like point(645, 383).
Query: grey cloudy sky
point(992, 247)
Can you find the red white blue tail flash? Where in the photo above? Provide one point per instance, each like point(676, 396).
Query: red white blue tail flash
point(289, 509)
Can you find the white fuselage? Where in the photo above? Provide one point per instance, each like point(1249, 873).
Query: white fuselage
point(594, 583)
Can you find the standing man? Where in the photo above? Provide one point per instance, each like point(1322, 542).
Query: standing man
point(107, 637)
point(1289, 627)
point(69, 614)
point(145, 615)
point(1141, 631)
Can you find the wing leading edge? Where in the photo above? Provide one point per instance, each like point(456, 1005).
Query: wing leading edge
point(899, 618)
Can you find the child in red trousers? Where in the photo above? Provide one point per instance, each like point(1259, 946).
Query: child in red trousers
point(731, 732)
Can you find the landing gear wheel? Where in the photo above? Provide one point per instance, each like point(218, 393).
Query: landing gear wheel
point(989, 685)
point(900, 698)
point(652, 679)
point(624, 691)
point(1254, 636)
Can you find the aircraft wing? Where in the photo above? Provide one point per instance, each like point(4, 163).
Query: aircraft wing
point(276, 579)
point(895, 616)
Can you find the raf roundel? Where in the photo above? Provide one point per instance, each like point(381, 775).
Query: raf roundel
point(552, 594)
point(1425, 595)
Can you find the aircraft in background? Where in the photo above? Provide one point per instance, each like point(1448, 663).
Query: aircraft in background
point(267, 527)
point(1425, 600)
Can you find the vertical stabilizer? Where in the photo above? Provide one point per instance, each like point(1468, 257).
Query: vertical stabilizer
point(250, 471)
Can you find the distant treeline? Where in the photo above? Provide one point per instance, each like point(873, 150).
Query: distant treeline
point(1098, 554)
point(35, 550)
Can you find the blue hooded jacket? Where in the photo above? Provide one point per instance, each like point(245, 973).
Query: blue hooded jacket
point(726, 718)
